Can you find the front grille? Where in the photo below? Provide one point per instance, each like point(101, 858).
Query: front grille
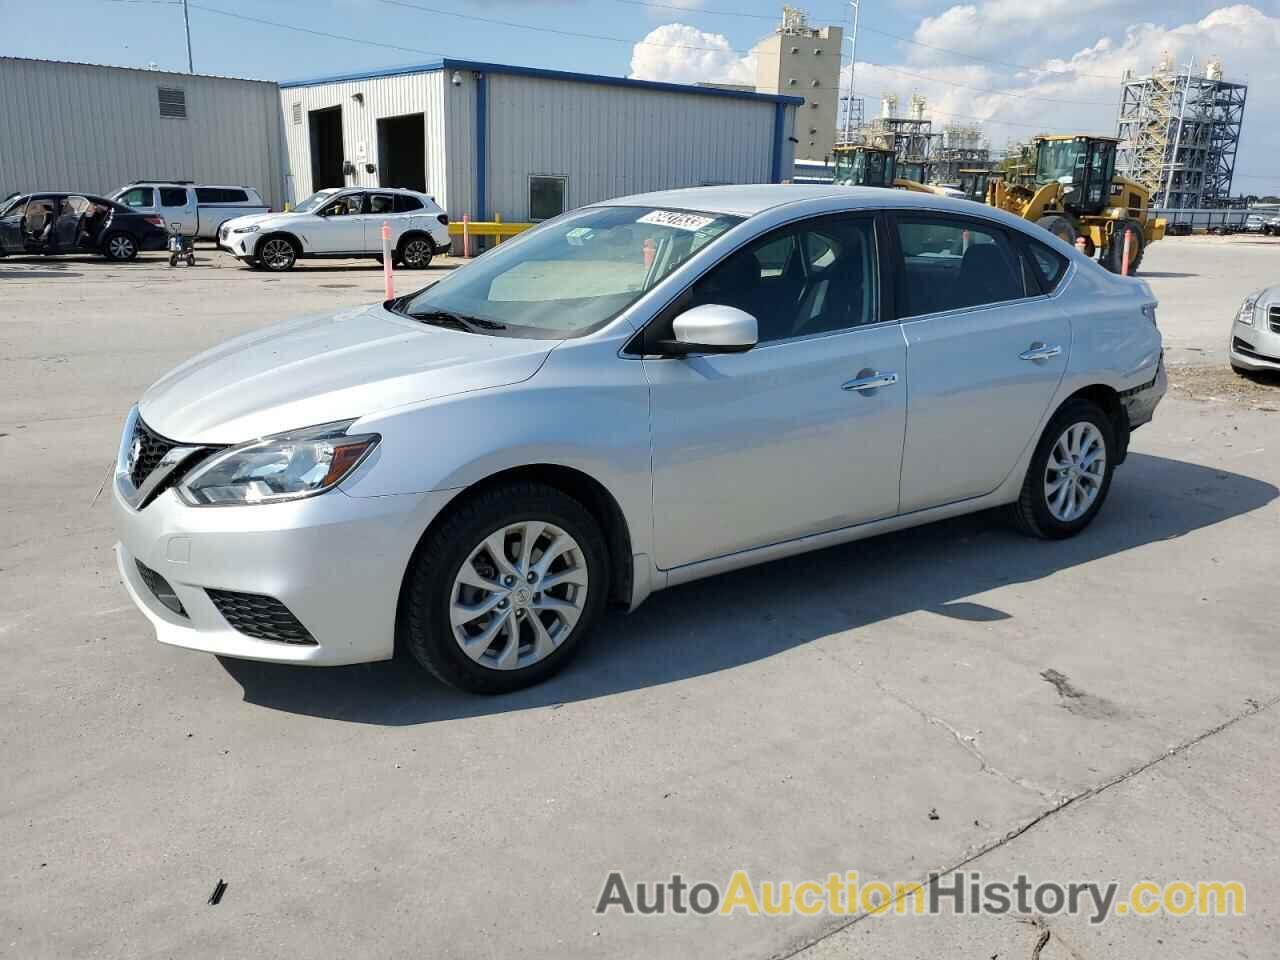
point(160, 588)
point(1273, 317)
point(263, 618)
point(146, 450)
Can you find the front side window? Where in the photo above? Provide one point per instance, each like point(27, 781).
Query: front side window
point(345, 206)
point(949, 263)
point(569, 277)
point(138, 197)
point(314, 202)
point(547, 197)
point(815, 277)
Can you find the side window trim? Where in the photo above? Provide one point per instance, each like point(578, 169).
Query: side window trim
point(896, 217)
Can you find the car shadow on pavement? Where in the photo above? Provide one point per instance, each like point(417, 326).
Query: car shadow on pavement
point(736, 618)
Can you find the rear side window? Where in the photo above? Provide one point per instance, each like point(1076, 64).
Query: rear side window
point(381, 203)
point(1049, 265)
point(139, 197)
point(173, 197)
point(220, 195)
point(404, 203)
point(950, 263)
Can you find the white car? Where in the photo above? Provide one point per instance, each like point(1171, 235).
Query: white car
point(193, 210)
point(628, 397)
point(342, 223)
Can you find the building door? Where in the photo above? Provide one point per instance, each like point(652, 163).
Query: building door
point(326, 148)
point(402, 152)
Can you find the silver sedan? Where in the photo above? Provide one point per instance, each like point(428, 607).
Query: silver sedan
point(1255, 333)
point(634, 395)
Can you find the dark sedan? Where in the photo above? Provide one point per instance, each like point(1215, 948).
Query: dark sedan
point(52, 223)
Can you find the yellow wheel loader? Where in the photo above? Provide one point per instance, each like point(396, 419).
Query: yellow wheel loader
point(859, 165)
point(1074, 191)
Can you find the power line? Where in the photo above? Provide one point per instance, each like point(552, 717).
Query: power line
point(316, 33)
point(558, 32)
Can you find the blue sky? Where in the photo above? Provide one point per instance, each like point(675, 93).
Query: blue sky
point(1020, 67)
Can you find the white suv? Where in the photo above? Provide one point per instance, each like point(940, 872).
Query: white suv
point(341, 223)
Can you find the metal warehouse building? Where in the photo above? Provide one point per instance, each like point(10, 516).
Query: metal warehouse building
point(77, 126)
point(527, 144)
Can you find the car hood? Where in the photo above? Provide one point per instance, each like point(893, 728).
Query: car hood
point(266, 220)
point(321, 369)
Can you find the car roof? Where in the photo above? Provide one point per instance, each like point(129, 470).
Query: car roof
point(748, 200)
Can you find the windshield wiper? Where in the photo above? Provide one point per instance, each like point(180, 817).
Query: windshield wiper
point(456, 321)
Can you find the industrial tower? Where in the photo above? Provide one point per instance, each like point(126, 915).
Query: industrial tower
point(1179, 129)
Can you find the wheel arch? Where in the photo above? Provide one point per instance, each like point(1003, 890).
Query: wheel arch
point(586, 489)
point(412, 234)
point(1108, 399)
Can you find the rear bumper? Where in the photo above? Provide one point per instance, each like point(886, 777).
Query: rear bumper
point(1140, 402)
point(150, 243)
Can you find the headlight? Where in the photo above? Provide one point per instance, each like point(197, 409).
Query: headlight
point(1245, 315)
point(252, 228)
point(302, 463)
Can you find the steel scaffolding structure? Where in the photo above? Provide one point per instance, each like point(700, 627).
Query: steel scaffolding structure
point(1179, 130)
point(958, 147)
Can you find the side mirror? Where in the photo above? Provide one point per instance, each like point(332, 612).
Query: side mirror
point(711, 328)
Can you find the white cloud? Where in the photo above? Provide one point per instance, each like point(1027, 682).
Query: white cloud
point(678, 53)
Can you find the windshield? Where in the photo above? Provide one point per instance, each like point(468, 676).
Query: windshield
point(9, 201)
point(313, 202)
point(1056, 159)
point(569, 276)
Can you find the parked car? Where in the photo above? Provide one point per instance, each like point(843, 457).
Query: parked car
point(196, 211)
point(1271, 226)
point(1254, 223)
point(1255, 333)
point(55, 223)
point(342, 223)
point(631, 396)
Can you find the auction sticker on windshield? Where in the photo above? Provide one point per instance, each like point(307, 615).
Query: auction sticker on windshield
point(673, 218)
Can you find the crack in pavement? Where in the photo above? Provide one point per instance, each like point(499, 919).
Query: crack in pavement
point(1255, 707)
point(970, 746)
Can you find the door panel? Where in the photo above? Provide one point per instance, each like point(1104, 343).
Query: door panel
point(178, 207)
point(778, 442)
point(339, 227)
point(382, 210)
point(974, 400)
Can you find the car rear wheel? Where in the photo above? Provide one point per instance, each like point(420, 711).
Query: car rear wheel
point(505, 591)
point(416, 252)
point(120, 247)
point(1070, 473)
point(277, 254)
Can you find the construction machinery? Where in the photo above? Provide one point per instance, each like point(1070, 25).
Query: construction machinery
point(860, 165)
point(1074, 192)
point(974, 182)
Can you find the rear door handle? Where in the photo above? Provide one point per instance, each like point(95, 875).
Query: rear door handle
point(871, 382)
point(1040, 351)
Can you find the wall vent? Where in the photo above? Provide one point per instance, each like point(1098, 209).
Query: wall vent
point(297, 113)
point(173, 102)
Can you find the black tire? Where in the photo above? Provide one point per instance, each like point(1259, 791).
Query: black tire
point(120, 247)
point(276, 253)
point(1061, 227)
point(1113, 255)
point(426, 628)
point(415, 252)
point(1031, 512)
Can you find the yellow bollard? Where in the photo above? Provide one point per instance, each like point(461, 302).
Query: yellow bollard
point(497, 218)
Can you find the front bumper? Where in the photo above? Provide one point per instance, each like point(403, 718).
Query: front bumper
point(335, 561)
point(1255, 347)
point(239, 245)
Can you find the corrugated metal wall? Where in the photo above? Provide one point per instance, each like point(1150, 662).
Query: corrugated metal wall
point(607, 140)
point(83, 127)
point(610, 140)
point(382, 97)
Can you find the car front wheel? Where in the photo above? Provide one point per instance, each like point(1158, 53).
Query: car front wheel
point(277, 254)
point(1070, 473)
point(504, 592)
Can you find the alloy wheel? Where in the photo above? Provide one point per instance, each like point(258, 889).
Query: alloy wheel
point(1075, 471)
point(276, 253)
point(121, 248)
point(518, 596)
point(416, 253)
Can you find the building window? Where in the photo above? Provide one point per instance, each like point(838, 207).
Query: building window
point(547, 197)
point(173, 102)
point(297, 113)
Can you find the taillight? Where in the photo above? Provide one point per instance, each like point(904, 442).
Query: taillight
point(443, 218)
point(155, 221)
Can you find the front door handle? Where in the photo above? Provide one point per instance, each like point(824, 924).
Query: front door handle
point(871, 382)
point(1040, 351)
